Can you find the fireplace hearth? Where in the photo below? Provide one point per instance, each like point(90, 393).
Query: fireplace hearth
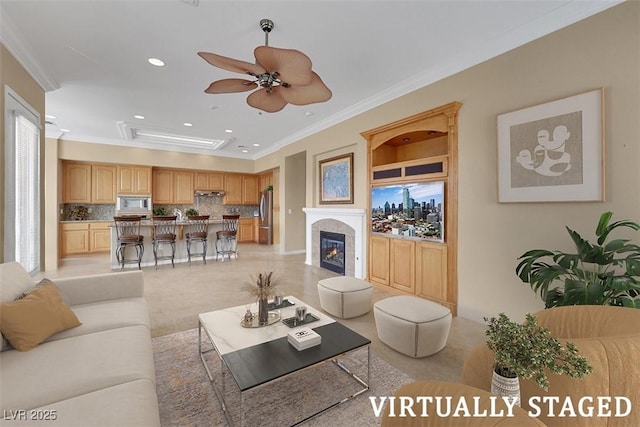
point(332, 251)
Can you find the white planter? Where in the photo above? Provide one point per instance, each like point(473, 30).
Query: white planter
point(503, 386)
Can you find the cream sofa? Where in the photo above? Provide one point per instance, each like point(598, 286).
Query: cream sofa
point(100, 373)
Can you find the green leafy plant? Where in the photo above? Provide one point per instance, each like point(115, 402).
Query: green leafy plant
point(525, 350)
point(605, 273)
point(269, 188)
point(191, 212)
point(160, 211)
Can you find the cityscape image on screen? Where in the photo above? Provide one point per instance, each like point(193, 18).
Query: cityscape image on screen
point(413, 210)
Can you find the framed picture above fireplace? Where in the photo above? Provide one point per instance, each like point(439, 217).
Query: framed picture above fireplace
point(336, 180)
point(411, 210)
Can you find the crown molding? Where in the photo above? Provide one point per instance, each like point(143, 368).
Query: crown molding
point(10, 38)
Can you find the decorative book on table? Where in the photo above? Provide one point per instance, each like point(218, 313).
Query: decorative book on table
point(303, 338)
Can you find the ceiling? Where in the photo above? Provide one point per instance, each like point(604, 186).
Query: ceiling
point(91, 58)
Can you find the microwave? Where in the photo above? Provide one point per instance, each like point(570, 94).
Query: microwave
point(134, 204)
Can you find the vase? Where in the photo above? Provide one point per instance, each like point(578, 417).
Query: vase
point(263, 311)
point(505, 386)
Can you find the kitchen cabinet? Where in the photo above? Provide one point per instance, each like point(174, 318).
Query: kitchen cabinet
point(99, 237)
point(241, 189)
point(134, 179)
point(75, 238)
point(246, 230)
point(208, 181)
point(77, 182)
point(172, 187)
point(103, 184)
point(264, 180)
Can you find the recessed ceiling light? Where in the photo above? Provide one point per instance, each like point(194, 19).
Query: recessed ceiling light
point(308, 113)
point(256, 145)
point(49, 116)
point(138, 116)
point(187, 124)
point(65, 130)
point(245, 151)
point(157, 62)
point(228, 130)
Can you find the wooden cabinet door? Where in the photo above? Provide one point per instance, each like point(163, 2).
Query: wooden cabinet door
point(402, 263)
point(232, 189)
point(142, 180)
point(265, 180)
point(245, 230)
point(431, 271)
point(125, 184)
point(250, 190)
point(183, 190)
point(77, 183)
point(103, 179)
point(162, 186)
point(208, 181)
point(99, 237)
point(75, 239)
point(201, 181)
point(379, 260)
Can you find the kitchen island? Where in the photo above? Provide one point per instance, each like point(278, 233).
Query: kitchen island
point(146, 229)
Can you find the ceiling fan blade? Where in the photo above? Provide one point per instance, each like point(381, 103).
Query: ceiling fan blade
point(231, 86)
point(269, 102)
point(314, 92)
point(294, 66)
point(231, 64)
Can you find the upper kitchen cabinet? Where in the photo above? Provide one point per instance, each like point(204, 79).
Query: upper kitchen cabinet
point(172, 186)
point(134, 180)
point(88, 183)
point(77, 182)
point(241, 189)
point(209, 181)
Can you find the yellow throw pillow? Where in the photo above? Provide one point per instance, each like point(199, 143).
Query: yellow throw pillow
point(27, 322)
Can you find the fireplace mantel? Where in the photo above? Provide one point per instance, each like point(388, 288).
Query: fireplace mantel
point(354, 218)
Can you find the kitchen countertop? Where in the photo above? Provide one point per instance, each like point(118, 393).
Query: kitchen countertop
point(147, 222)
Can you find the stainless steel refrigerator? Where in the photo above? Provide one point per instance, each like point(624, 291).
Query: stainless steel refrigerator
point(265, 230)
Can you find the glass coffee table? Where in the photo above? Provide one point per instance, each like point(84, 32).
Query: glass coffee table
point(262, 360)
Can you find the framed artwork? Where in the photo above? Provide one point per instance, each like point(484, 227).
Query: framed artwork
point(553, 152)
point(336, 179)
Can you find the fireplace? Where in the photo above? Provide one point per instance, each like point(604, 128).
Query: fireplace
point(332, 251)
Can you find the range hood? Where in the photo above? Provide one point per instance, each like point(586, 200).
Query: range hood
point(209, 193)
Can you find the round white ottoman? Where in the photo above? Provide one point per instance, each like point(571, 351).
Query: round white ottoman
point(345, 296)
point(413, 326)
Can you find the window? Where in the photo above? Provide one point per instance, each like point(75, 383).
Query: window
point(22, 183)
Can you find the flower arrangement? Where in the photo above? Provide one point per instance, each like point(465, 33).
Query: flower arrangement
point(524, 350)
point(262, 286)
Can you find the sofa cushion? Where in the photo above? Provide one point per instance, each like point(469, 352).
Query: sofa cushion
point(132, 404)
point(30, 320)
point(14, 281)
point(99, 316)
point(66, 368)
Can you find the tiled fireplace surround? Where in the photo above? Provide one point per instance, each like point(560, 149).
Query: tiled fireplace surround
point(351, 223)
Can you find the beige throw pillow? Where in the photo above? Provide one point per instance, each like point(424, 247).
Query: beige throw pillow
point(27, 322)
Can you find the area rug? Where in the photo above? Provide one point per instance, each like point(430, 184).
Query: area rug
point(186, 397)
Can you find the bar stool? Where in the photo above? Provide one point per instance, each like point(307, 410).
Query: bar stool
point(197, 230)
point(164, 232)
point(226, 239)
point(128, 232)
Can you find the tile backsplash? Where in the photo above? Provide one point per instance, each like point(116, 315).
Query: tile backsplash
point(205, 205)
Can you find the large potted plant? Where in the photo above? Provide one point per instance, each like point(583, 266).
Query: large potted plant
point(605, 273)
point(526, 350)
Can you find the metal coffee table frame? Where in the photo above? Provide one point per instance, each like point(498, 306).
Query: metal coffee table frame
point(242, 386)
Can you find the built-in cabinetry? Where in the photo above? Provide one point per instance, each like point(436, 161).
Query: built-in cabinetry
point(240, 189)
point(88, 183)
point(420, 148)
point(172, 186)
point(85, 237)
point(134, 179)
point(247, 230)
point(209, 181)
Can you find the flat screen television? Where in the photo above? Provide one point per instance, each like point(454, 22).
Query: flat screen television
point(412, 210)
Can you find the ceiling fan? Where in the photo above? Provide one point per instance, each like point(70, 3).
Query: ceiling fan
point(284, 76)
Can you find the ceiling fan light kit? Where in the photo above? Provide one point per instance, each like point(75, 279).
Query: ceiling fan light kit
point(282, 76)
